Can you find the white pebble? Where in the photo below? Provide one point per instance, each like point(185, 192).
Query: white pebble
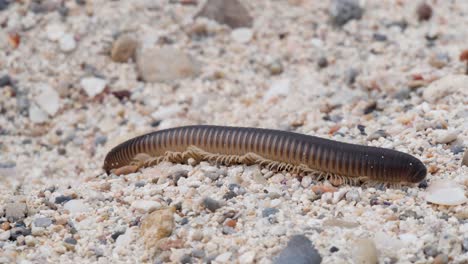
point(446, 136)
point(48, 99)
point(37, 115)
point(76, 206)
point(247, 257)
point(67, 43)
point(55, 31)
point(242, 35)
point(306, 181)
point(223, 258)
point(93, 86)
point(278, 88)
point(445, 193)
point(145, 206)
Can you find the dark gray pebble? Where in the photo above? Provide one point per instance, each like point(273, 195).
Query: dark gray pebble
point(186, 259)
point(299, 251)
point(267, 212)
point(71, 241)
point(116, 234)
point(322, 62)
point(211, 204)
point(19, 231)
point(4, 80)
point(100, 140)
point(379, 37)
point(342, 11)
point(465, 244)
point(229, 195)
point(334, 249)
point(62, 199)
point(15, 211)
point(42, 222)
point(140, 184)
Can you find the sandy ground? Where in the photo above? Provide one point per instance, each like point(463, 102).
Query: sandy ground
point(387, 79)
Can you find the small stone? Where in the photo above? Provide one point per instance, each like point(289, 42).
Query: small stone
point(5, 80)
point(465, 244)
point(186, 259)
point(465, 159)
point(100, 140)
point(370, 107)
point(76, 207)
point(267, 212)
point(452, 83)
point(48, 99)
point(211, 204)
point(408, 214)
point(306, 181)
point(140, 184)
point(4, 4)
point(430, 251)
point(379, 37)
point(457, 148)
point(42, 222)
point(365, 252)
point(277, 89)
point(214, 176)
point(15, 211)
point(123, 48)
point(334, 249)
point(67, 43)
point(377, 134)
point(445, 136)
point(242, 35)
point(62, 199)
point(298, 250)
point(93, 86)
point(70, 240)
point(351, 75)
point(156, 226)
point(55, 31)
point(275, 68)
point(19, 231)
point(342, 11)
point(145, 206)
point(353, 196)
point(441, 259)
point(247, 257)
point(424, 11)
point(229, 195)
point(445, 192)
point(165, 64)
point(116, 234)
point(322, 62)
point(4, 235)
point(37, 115)
point(439, 60)
point(223, 258)
point(230, 12)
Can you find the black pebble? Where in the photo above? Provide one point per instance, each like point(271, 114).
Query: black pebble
point(62, 199)
point(334, 249)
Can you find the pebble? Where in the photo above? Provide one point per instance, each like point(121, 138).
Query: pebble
point(365, 252)
point(15, 211)
point(123, 48)
point(276, 67)
point(278, 88)
point(55, 31)
point(430, 251)
point(322, 62)
point(424, 11)
point(247, 257)
point(465, 244)
point(377, 134)
point(223, 258)
point(211, 204)
point(306, 181)
point(5, 80)
point(441, 259)
point(67, 43)
point(76, 207)
point(299, 250)
point(353, 196)
point(379, 37)
point(37, 115)
point(42, 222)
point(62, 199)
point(465, 158)
point(445, 192)
point(445, 136)
point(4, 4)
point(242, 35)
point(439, 60)
point(145, 206)
point(267, 212)
point(70, 240)
point(229, 12)
point(93, 86)
point(157, 225)
point(165, 64)
point(451, 83)
point(351, 75)
point(4, 235)
point(47, 99)
point(342, 11)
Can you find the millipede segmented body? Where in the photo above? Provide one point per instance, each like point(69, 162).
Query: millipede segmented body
point(275, 149)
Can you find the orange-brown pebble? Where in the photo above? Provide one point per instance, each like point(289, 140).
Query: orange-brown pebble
point(433, 169)
point(323, 189)
point(125, 170)
point(6, 226)
point(231, 223)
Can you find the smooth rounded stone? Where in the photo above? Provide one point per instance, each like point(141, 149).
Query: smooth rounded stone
point(353, 195)
point(167, 112)
point(337, 196)
point(306, 181)
point(267, 212)
point(465, 244)
point(157, 225)
point(47, 99)
point(4, 235)
point(342, 11)
point(278, 88)
point(322, 62)
point(247, 257)
point(93, 86)
point(229, 12)
point(453, 83)
point(55, 31)
point(100, 140)
point(298, 250)
point(424, 11)
point(445, 192)
point(70, 240)
point(441, 259)
point(242, 35)
point(165, 64)
point(5, 80)
point(445, 136)
point(465, 158)
point(276, 67)
point(76, 206)
point(37, 115)
point(223, 258)
point(431, 251)
point(365, 252)
point(211, 204)
point(439, 60)
point(15, 211)
point(144, 206)
point(62, 199)
point(123, 48)
point(67, 43)
point(42, 222)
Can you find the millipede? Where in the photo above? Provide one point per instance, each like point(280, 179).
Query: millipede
point(274, 149)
